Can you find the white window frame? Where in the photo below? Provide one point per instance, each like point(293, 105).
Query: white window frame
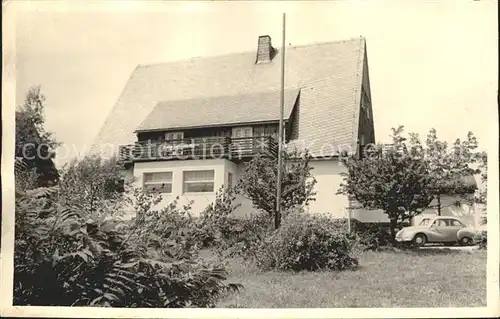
point(174, 136)
point(243, 130)
point(177, 146)
point(184, 182)
point(146, 183)
point(244, 145)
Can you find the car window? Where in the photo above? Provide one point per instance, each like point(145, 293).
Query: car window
point(440, 223)
point(425, 222)
point(455, 223)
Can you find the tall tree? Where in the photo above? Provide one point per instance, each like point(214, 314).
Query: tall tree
point(449, 167)
point(389, 179)
point(34, 145)
point(259, 176)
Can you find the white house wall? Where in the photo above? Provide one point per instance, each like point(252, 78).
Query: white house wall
point(328, 180)
point(246, 207)
point(200, 200)
point(369, 215)
point(327, 174)
point(221, 169)
point(128, 174)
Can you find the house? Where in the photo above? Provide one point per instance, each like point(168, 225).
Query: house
point(187, 128)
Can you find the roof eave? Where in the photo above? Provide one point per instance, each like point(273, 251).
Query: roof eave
point(181, 128)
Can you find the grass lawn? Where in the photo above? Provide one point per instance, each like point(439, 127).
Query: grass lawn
point(424, 278)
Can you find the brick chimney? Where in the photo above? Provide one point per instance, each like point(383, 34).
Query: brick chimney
point(265, 50)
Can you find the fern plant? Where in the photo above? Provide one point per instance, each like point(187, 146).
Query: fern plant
point(64, 256)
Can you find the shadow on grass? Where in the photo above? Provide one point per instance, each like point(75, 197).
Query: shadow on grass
point(427, 251)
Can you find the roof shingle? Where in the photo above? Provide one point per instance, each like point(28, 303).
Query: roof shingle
point(329, 76)
point(223, 110)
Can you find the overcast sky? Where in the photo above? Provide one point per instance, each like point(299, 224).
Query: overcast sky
point(432, 63)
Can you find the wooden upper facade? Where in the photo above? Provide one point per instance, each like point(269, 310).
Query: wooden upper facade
point(236, 143)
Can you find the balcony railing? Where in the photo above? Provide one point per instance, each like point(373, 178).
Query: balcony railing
point(236, 149)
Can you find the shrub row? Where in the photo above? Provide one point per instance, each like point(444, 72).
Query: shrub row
point(65, 256)
point(84, 259)
point(306, 242)
point(373, 236)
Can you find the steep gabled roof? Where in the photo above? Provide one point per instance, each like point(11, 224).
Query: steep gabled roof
point(221, 110)
point(329, 76)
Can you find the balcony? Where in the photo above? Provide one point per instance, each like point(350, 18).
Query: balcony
point(234, 149)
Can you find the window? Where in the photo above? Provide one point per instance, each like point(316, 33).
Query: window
point(174, 136)
point(171, 136)
point(229, 180)
point(425, 222)
point(173, 143)
point(158, 182)
point(456, 223)
point(199, 181)
point(440, 223)
point(265, 130)
point(242, 139)
point(221, 133)
point(243, 131)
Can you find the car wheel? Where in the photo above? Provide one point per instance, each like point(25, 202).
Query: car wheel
point(466, 241)
point(419, 240)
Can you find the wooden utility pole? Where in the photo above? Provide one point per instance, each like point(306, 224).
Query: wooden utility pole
point(277, 217)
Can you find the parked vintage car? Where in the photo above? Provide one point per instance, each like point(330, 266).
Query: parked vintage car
point(439, 229)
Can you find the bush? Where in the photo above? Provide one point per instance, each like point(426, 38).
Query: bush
point(245, 237)
point(153, 227)
point(93, 182)
point(226, 235)
point(374, 237)
point(307, 242)
point(216, 225)
point(481, 239)
point(64, 257)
